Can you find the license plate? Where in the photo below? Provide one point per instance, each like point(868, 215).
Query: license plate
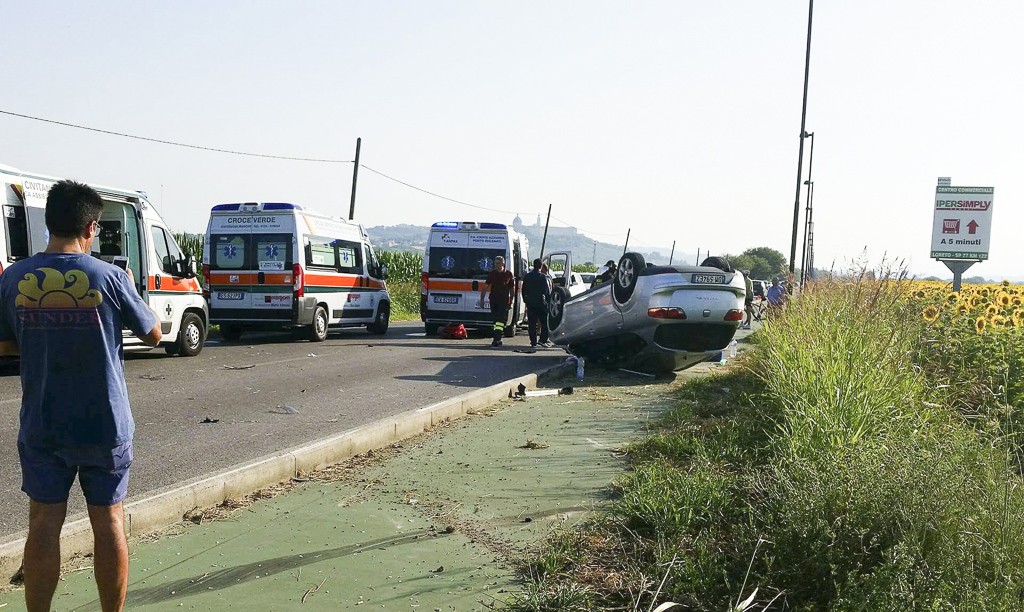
point(230, 295)
point(708, 279)
point(446, 299)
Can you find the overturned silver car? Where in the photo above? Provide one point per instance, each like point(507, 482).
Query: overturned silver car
point(651, 318)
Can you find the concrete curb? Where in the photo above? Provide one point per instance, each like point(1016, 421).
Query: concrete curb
point(150, 514)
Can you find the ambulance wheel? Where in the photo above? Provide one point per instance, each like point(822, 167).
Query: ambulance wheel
point(380, 324)
point(318, 330)
point(231, 333)
point(431, 328)
point(191, 337)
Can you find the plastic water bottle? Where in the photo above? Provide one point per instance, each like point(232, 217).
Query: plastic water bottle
point(579, 368)
point(732, 349)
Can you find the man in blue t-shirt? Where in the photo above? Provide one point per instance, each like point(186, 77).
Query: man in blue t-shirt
point(63, 311)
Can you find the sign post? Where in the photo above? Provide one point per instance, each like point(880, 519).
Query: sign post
point(961, 227)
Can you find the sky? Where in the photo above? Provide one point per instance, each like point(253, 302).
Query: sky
point(676, 120)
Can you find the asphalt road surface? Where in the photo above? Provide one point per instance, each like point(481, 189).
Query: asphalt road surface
point(268, 393)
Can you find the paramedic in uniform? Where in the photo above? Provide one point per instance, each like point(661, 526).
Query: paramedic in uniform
point(502, 287)
point(63, 311)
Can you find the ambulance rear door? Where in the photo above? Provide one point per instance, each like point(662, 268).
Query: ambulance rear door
point(450, 291)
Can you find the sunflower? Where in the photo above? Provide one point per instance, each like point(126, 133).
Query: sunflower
point(1018, 316)
point(1003, 299)
point(953, 297)
point(963, 309)
point(979, 325)
point(1006, 283)
point(930, 314)
point(991, 310)
point(919, 294)
point(1015, 300)
point(999, 321)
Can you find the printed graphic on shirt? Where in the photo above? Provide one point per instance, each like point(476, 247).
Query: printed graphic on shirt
point(49, 298)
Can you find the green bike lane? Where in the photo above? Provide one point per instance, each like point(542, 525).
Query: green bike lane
point(436, 522)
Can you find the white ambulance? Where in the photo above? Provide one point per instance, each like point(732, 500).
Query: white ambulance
point(275, 265)
point(131, 229)
point(458, 258)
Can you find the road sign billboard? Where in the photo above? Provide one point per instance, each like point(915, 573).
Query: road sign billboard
point(962, 223)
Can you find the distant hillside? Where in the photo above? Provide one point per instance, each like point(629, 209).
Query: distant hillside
point(584, 249)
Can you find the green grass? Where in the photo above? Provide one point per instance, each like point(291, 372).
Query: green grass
point(836, 473)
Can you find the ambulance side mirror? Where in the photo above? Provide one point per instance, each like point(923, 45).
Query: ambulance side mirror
point(187, 266)
point(382, 271)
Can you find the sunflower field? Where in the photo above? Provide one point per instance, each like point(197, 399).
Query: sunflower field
point(975, 338)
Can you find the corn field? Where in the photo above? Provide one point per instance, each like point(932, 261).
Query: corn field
point(403, 267)
point(191, 244)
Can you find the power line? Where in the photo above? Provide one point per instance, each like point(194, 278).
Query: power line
point(177, 144)
point(287, 158)
point(436, 195)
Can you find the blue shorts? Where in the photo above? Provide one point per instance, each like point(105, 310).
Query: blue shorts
point(48, 473)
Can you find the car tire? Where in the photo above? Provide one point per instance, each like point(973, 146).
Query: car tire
point(626, 276)
point(230, 333)
point(380, 324)
point(556, 307)
point(191, 337)
point(318, 330)
point(431, 329)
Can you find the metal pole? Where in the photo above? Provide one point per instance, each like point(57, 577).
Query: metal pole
point(545, 238)
point(626, 246)
point(696, 262)
point(803, 132)
point(672, 254)
point(355, 178)
point(807, 210)
point(808, 231)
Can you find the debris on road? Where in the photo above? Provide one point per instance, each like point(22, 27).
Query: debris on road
point(241, 367)
point(209, 420)
point(637, 373)
point(152, 377)
point(530, 444)
point(521, 392)
point(284, 409)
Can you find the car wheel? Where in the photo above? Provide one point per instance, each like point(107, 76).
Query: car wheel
point(231, 333)
point(318, 330)
point(191, 337)
point(380, 324)
point(556, 307)
point(626, 276)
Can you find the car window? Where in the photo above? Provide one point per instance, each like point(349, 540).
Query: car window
point(229, 251)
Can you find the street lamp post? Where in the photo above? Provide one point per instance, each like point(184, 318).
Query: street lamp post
point(803, 133)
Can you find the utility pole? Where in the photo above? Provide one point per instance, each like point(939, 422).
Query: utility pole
point(803, 133)
point(545, 238)
point(355, 178)
point(807, 211)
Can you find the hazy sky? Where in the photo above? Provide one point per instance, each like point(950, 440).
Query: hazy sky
point(678, 119)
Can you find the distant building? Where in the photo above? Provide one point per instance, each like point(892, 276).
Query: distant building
point(554, 230)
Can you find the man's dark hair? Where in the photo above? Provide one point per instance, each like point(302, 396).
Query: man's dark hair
point(537, 263)
point(70, 208)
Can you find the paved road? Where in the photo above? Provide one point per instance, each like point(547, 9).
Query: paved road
point(296, 392)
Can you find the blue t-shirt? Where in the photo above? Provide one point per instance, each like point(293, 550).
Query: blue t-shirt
point(66, 312)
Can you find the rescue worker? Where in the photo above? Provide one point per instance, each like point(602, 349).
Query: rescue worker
point(501, 285)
